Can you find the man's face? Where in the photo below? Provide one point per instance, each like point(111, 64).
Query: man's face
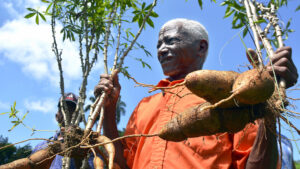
point(177, 52)
point(59, 117)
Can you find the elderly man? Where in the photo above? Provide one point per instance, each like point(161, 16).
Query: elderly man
point(182, 48)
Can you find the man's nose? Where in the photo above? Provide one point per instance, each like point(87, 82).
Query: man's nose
point(162, 51)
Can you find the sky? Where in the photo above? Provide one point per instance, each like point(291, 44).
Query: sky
point(29, 73)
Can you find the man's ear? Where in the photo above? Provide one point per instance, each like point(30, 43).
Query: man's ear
point(203, 47)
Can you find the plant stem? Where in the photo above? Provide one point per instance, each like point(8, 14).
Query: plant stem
point(58, 54)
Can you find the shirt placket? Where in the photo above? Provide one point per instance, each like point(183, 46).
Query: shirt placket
point(160, 145)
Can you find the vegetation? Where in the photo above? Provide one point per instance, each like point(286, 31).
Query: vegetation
point(12, 153)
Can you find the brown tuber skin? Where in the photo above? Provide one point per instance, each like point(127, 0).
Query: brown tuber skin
point(249, 88)
point(33, 161)
point(253, 86)
point(98, 163)
point(193, 123)
point(212, 85)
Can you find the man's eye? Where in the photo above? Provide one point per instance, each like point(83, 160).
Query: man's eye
point(173, 40)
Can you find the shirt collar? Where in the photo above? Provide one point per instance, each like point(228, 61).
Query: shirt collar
point(167, 83)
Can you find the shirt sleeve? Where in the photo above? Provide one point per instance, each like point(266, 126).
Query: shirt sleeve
point(41, 145)
point(242, 145)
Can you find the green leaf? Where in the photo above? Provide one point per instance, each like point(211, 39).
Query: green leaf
point(29, 15)
point(42, 16)
point(31, 9)
point(150, 22)
point(245, 31)
point(298, 8)
point(223, 3)
point(135, 18)
point(47, 10)
point(200, 3)
point(140, 21)
point(4, 113)
point(228, 13)
point(288, 23)
point(260, 21)
point(144, 64)
point(291, 30)
point(154, 14)
point(37, 19)
point(25, 115)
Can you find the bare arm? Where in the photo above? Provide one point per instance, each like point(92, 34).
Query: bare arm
point(112, 87)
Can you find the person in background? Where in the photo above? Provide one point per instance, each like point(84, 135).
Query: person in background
point(71, 101)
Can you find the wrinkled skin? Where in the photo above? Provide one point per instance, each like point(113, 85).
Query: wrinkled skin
point(179, 55)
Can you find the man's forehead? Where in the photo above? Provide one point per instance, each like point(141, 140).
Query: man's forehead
point(171, 28)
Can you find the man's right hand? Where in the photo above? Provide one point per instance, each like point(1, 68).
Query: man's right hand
point(111, 86)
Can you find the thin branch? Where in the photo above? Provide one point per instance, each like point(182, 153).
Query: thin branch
point(120, 138)
point(80, 53)
point(101, 118)
point(118, 40)
point(58, 54)
point(31, 139)
point(250, 16)
point(107, 34)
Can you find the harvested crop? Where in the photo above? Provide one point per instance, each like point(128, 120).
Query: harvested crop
point(249, 88)
point(195, 122)
point(110, 148)
point(253, 86)
point(212, 85)
point(98, 163)
point(40, 159)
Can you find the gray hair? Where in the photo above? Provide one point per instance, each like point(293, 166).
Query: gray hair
point(195, 29)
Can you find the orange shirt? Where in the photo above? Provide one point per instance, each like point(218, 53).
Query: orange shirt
point(222, 150)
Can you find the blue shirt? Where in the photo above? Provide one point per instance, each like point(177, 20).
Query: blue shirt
point(287, 153)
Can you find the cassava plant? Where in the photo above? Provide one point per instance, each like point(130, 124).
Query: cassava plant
point(90, 24)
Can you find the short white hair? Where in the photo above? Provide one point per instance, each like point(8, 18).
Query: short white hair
point(194, 28)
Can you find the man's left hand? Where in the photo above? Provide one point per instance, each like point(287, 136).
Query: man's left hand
point(284, 66)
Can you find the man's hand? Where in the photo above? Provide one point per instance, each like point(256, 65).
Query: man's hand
point(110, 85)
point(283, 64)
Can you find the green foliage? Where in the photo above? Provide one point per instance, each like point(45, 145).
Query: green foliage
point(36, 13)
point(200, 2)
point(13, 114)
point(297, 165)
point(141, 12)
point(12, 153)
point(298, 8)
point(86, 21)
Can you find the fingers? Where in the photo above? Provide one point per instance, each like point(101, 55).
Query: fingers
point(285, 73)
point(105, 84)
point(115, 78)
point(284, 66)
point(252, 57)
point(108, 84)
